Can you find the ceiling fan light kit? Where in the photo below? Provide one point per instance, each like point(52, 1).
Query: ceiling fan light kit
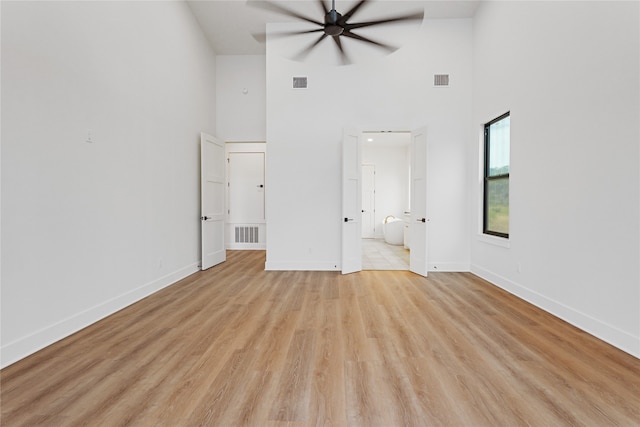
point(337, 26)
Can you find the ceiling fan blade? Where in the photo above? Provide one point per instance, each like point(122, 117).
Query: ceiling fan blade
point(343, 54)
point(387, 47)
point(412, 17)
point(325, 9)
point(346, 16)
point(294, 33)
point(262, 37)
point(304, 52)
point(273, 7)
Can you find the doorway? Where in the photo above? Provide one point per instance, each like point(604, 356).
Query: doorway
point(245, 195)
point(351, 245)
point(386, 200)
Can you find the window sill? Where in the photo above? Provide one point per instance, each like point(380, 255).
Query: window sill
point(494, 240)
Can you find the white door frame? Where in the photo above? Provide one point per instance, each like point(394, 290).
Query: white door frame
point(418, 227)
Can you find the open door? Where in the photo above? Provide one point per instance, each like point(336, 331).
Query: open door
point(351, 203)
point(419, 221)
point(368, 202)
point(212, 175)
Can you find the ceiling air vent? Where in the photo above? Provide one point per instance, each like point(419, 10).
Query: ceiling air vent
point(440, 80)
point(299, 82)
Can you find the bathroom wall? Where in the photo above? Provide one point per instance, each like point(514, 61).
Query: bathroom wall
point(392, 179)
point(102, 108)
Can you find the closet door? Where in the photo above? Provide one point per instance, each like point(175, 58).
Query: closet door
point(246, 187)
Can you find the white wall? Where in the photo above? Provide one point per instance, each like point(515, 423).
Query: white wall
point(304, 133)
point(391, 181)
point(241, 116)
point(88, 228)
point(568, 72)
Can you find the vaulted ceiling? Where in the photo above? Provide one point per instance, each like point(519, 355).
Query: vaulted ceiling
point(231, 25)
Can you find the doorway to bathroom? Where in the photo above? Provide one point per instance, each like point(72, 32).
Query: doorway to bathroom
point(351, 219)
point(386, 200)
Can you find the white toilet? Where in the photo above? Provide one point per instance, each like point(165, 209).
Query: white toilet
point(393, 230)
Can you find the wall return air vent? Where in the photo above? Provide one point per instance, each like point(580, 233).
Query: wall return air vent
point(244, 234)
point(441, 80)
point(299, 82)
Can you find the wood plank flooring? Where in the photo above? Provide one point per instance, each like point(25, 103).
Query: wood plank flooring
point(239, 346)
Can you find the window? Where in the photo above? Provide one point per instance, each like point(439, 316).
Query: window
point(496, 176)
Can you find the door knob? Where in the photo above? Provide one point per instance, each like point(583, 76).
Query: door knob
point(421, 220)
point(348, 219)
point(260, 186)
point(204, 218)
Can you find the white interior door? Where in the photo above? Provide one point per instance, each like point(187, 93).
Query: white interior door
point(351, 203)
point(212, 175)
point(419, 226)
point(368, 201)
point(246, 187)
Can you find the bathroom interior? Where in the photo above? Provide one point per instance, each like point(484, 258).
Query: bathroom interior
point(386, 175)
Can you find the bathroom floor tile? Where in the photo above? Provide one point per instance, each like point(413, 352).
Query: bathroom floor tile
point(379, 255)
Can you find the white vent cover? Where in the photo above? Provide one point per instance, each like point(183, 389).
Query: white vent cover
point(246, 234)
point(299, 82)
point(441, 80)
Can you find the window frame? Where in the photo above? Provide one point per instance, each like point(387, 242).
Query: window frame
point(487, 178)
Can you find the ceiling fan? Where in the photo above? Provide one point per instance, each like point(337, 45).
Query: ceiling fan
point(336, 25)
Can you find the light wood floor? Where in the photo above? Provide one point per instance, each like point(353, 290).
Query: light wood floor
point(240, 346)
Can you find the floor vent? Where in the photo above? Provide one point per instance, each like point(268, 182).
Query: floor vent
point(246, 234)
point(441, 79)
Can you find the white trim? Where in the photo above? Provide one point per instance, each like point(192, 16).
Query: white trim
point(494, 240)
point(449, 267)
point(302, 266)
point(599, 329)
point(23, 347)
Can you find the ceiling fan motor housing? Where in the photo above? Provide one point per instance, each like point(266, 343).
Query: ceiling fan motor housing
point(331, 26)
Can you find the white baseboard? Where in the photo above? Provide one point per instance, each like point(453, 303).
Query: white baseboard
point(610, 334)
point(328, 266)
point(23, 347)
point(302, 266)
point(246, 247)
point(449, 267)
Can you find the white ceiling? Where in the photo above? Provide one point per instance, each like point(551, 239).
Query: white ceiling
point(230, 24)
